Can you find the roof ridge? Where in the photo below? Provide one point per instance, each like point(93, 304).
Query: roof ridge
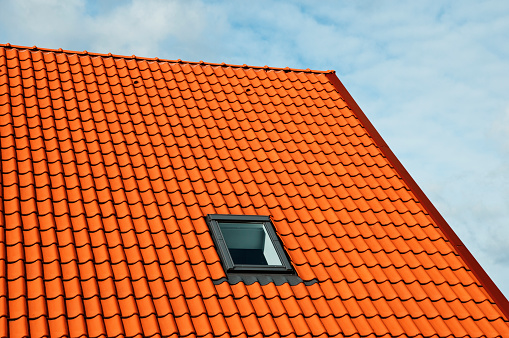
point(135, 57)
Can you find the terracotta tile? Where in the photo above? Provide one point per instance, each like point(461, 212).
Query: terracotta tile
point(347, 326)
point(109, 213)
point(500, 326)
point(39, 325)
point(488, 309)
point(377, 324)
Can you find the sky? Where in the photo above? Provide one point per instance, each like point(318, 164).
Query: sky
point(432, 76)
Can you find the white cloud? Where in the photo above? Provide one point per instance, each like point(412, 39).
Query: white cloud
point(36, 22)
point(432, 76)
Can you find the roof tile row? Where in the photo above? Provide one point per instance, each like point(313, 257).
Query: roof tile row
point(109, 165)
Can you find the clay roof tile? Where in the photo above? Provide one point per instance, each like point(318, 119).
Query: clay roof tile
point(109, 165)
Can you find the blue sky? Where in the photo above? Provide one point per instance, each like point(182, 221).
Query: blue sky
point(432, 76)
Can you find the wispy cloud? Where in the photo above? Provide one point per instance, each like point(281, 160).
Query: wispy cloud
point(432, 76)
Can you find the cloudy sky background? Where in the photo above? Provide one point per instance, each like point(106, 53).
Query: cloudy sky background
point(432, 76)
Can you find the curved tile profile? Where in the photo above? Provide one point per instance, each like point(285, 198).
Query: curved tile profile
point(109, 165)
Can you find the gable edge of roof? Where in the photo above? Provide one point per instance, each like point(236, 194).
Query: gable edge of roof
point(488, 284)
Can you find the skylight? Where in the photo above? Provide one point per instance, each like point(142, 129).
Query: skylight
point(248, 244)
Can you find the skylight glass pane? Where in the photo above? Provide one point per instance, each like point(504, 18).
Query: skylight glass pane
point(249, 244)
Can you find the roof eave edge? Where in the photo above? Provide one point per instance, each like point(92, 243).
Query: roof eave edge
point(485, 280)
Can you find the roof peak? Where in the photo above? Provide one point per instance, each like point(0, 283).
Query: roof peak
point(135, 57)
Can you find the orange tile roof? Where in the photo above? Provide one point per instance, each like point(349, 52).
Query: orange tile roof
point(109, 165)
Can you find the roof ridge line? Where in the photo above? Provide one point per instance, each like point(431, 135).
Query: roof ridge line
point(135, 57)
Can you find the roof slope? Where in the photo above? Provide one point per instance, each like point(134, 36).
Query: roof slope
point(109, 165)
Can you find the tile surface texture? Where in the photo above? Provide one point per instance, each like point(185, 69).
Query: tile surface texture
point(110, 164)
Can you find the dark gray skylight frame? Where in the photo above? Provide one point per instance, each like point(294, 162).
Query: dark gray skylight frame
point(216, 221)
